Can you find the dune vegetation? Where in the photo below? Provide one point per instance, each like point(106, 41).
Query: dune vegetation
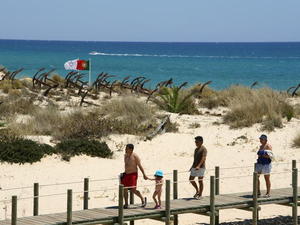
point(67, 109)
point(296, 141)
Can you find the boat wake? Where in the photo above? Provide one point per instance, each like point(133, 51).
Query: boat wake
point(187, 56)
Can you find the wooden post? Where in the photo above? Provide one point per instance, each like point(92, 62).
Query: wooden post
point(175, 192)
point(69, 207)
point(14, 210)
point(121, 210)
point(295, 196)
point(36, 199)
point(212, 200)
point(255, 204)
point(131, 203)
point(168, 202)
point(217, 175)
point(254, 167)
point(86, 193)
point(294, 164)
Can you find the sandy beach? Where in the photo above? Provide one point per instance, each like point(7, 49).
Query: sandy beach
point(234, 150)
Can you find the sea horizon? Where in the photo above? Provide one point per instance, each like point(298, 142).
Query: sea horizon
point(204, 42)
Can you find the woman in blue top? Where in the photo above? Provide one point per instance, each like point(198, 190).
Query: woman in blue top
point(263, 165)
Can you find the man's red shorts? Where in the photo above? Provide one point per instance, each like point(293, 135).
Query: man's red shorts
point(129, 180)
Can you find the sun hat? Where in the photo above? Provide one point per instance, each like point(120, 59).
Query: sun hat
point(159, 173)
point(263, 136)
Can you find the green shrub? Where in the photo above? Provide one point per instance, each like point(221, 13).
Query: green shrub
point(177, 100)
point(75, 147)
point(19, 150)
point(296, 141)
point(23, 151)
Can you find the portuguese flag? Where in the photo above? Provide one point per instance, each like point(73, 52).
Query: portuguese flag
point(77, 64)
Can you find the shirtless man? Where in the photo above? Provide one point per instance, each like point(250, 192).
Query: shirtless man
point(129, 179)
point(198, 167)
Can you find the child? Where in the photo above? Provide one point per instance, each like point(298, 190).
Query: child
point(158, 188)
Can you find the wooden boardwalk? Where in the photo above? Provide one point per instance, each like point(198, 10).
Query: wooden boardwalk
point(110, 215)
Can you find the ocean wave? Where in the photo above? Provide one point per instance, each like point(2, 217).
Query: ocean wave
point(190, 56)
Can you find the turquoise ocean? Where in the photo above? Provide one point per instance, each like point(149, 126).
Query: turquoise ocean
point(276, 65)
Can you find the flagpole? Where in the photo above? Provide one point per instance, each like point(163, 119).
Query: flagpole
point(90, 72)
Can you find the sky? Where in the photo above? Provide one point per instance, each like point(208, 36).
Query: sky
point(152, 20)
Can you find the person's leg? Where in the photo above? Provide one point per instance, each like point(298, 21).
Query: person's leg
point(268, 183)
point(159, 198)
point(138, 193)
point(194, 184)
point(200, 179)
point(154, 198)
point(126, 197)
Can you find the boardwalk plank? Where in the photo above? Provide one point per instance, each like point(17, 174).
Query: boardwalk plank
point(178, 206)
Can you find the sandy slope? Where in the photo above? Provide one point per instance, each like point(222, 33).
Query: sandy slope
point(167, 152)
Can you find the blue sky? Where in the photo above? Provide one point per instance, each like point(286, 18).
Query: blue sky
point(152, 20)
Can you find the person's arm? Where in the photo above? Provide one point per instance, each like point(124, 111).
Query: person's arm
point(267, 147)
point(138, 162)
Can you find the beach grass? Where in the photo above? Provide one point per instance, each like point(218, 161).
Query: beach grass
point(7, 85)
point(130, 114)
point(25, 111)
point(14, 104)
point(249, 106)
point(122, 116)
point(58, 79)
point(296, 141)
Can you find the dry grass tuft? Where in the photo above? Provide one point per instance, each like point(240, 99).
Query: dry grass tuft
point(43, 121)
point(8, 85)
point(296, 141)
point(133, 115)
point(16, 105)
point(126, 115)
point(58, 79)
point(128, 108)
point(250, 106)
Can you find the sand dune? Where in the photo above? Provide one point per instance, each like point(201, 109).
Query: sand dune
point(227, 148)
